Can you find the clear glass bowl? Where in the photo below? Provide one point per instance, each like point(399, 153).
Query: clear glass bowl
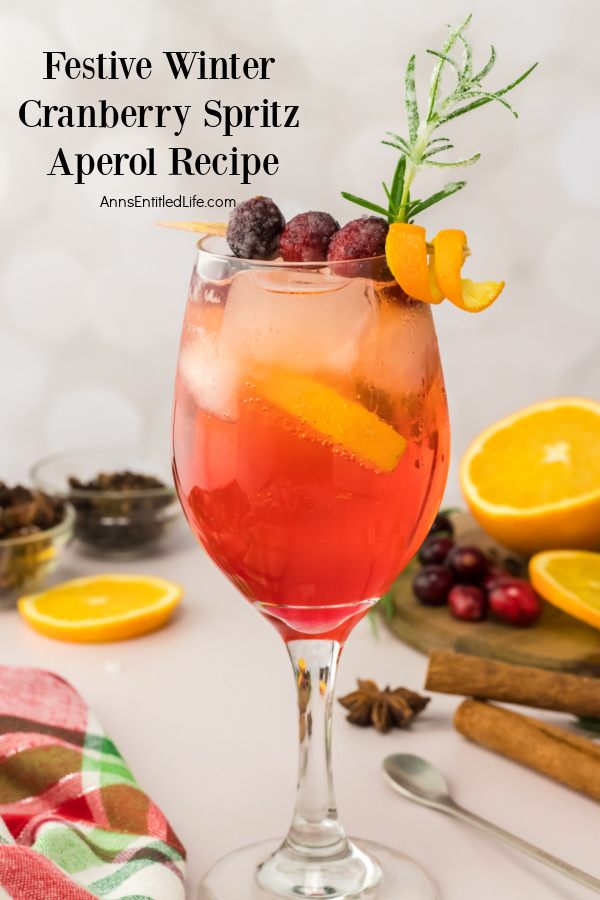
point(26, 562)
point(117, 523)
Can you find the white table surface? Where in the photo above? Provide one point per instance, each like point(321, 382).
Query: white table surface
point(204, 713)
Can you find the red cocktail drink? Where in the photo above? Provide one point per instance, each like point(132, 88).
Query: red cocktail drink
point(310, 435)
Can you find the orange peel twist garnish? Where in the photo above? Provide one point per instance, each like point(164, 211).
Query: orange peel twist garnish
point(449, 248)
point(433, 279)
point(406, 254)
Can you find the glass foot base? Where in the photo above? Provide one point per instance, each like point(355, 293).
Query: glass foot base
point(234, 877)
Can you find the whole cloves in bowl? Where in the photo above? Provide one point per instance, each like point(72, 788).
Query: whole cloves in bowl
point(34, 529)
point(123, 497)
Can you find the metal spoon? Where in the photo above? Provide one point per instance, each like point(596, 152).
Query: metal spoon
point(419, 780)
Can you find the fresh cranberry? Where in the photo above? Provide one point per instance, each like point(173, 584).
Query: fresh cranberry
point(306, 237)
point(442, 524)
point(495, 575)
point(432, 584)
point(359, 239)
point(467, 602)
point(515, 601)
point(468, 563)
point(254, 229)
point(435, 550)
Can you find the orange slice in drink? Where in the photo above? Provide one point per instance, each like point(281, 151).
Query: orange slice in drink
point(101, 608)
point(569, 579)
point(342, 421)
point(449, 247)
point(406, 255)
point(532, 480)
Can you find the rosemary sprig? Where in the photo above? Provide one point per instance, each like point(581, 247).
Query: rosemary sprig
point(421, 149)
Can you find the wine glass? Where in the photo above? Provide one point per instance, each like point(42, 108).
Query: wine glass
point(310, 452)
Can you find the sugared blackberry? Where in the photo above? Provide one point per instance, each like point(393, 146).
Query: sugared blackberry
point(359, 239)
point(306, 237)
point(254, 229)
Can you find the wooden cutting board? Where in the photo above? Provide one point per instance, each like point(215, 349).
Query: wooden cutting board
point(556, 641)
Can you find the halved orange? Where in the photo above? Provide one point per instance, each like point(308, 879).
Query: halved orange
point(532, 480)
point(337, 418)
point(101, 607)
point(569, 579)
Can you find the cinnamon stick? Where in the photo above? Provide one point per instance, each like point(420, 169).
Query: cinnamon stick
point(572, 760)
point(488, 679)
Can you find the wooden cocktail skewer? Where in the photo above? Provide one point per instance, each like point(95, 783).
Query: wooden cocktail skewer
point(220, 229)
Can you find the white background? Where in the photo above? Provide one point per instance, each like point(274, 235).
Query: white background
point(90, 309)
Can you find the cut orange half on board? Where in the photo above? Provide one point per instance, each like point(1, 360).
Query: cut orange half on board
point(342, 421)
point(532, 480)
point(569, 579)
point(101, 608)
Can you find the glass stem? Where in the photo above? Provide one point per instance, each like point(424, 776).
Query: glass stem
point(315, 827)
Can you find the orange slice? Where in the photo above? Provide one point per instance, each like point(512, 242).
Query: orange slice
point(406, 255)
point(101, 608)
point(340, 420)
point(449, 248)
point(569, 579)
point(532, 480)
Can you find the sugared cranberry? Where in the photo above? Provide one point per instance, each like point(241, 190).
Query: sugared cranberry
point(359, 239)
point(435, 550)
point(467, 602)
point(442, 523)
point(432, 584)
point(254, 229)
point(469, 564)
point(306, 237)
point(516, 602)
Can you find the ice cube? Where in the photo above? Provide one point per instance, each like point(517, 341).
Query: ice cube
point(398, 353)
point(297, 319)
point(211, 375)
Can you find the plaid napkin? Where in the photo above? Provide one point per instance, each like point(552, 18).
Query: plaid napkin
point(74, 824)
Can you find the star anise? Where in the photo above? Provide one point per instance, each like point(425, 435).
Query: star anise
point(384, 709)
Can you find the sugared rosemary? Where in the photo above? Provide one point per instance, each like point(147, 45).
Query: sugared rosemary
point(419, 149)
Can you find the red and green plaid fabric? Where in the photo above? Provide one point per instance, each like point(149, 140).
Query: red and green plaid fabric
point(74, 824)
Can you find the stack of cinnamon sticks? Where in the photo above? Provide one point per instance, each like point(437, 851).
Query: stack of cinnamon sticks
point(564, 756)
